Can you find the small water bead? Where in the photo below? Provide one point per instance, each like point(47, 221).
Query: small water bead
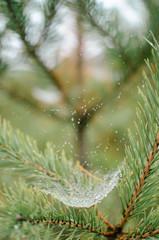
point(99, 145)
point(16, 226)
point(73, 112)
point(119, 96)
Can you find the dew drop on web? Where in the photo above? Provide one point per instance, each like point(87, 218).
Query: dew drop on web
point(81, 189)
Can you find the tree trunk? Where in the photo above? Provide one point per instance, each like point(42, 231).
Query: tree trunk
point(81, 145)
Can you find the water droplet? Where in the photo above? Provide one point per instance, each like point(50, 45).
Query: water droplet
point(16, 226)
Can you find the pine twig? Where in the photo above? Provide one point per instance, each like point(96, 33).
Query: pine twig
point(128, 210)
point(148, 234)
point(90, 174)
point(66, 223)
point(110, 225)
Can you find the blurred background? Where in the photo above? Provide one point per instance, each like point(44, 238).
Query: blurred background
point(69, 72)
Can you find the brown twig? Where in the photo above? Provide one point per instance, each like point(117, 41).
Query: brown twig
point(111, 226)
point(67, 223)
point(90, 174)
point(145, 235)
point(129, 210)
point(112, 234)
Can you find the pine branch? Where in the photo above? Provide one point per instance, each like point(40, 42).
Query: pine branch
point(34, 207)
point(68, 224)
point(151, 234)
point(148, 227)
point(92, 11)
point(28, 157)
point(130, 208)
point(16, 90)
point(140, 177)
point(31, 50)
point(50, 9)
point(54, 175)
point(31, 209)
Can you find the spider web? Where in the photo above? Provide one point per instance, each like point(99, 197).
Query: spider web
point(81, 190)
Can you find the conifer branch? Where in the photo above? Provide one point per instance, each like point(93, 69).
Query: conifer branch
point(52, 214)
point(34, 165)
point(129, 210)
point(32, 51)
point(65, 223)
point(103, 31)
point(16, 93)
point(27, 158)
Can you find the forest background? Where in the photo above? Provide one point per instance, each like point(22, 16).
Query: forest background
point(71, 76)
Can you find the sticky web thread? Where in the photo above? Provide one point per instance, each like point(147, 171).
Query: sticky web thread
point(81, 190)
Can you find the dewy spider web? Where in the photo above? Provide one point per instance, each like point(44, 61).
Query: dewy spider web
point(71, 184)
point(82, 190)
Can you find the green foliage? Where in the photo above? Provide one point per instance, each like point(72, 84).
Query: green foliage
point(35, 210)
point(148, 224)
point(33, 213)
point(54, 175)
point(142, 143)
point(28, 206)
